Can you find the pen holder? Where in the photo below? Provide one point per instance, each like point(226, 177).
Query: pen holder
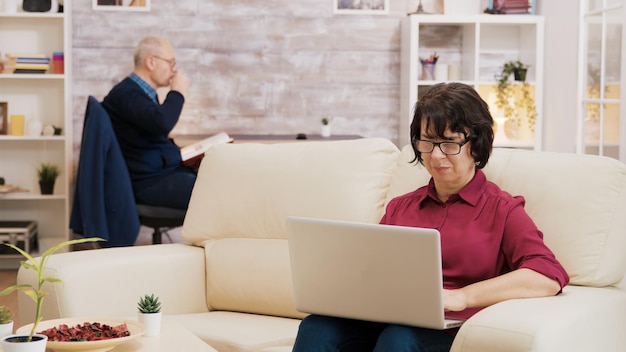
point(428, 71)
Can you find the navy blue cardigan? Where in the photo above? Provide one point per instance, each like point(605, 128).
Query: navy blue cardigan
point(142, 128)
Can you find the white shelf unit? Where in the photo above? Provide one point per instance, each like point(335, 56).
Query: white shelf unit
point(478, 45)
point(47, 98)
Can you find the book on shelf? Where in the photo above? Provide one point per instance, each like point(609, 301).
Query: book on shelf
point(26, 70)
point(193, 153)
point(28, 63)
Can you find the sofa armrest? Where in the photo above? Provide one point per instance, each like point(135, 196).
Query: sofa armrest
point(108, 282)
point(580, 319)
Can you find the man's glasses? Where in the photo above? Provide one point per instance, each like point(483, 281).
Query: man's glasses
point(172, 62)
point(448, 148)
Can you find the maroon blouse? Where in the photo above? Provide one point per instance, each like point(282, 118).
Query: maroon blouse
point(485, 232)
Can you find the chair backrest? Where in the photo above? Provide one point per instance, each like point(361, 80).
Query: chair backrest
point(104, 204)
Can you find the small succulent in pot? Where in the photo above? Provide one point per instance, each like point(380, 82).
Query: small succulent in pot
point(150, 314)
point(149, 304)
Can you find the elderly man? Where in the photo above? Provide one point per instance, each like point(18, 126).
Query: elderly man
point(142, 125)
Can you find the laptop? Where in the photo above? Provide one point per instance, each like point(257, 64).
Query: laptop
point(381, 273)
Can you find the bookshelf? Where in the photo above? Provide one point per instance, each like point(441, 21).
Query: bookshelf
point(474, 48)
point(42, 97)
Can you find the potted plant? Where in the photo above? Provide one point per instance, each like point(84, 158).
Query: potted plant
point(36, 293)
point(325, 127)
point(47, 173)
point(513, 104)
point(6, 321)
point(150, 314)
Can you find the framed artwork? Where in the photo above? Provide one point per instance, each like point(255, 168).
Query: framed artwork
point(513, 7)
point(361, 7)
point(121, 5)
point(4, 117)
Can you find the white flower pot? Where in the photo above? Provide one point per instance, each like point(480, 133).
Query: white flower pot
point(151, 322)
point(325, 130)
point(6, 329)
point(37, 345)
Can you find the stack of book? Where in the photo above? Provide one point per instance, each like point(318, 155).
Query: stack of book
point(32, 63)
point(515, 6)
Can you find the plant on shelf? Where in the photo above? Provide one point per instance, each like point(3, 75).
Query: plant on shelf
point(38, 265)
point(506, 98)
point(325, 127)
point(150, 314)
point(47, 174)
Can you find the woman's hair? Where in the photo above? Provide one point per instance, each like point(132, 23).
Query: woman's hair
point(458, 107)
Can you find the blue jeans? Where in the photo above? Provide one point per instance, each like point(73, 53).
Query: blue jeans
point(172, 191)
point(328, 334)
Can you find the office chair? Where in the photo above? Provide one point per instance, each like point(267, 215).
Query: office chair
point(160, 219)
point(104, 204)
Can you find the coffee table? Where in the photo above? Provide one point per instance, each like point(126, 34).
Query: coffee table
point(173, 337)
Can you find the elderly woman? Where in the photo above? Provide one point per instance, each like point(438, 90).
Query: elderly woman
point(491, 249)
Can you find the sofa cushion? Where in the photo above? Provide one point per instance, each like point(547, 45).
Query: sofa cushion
point(250, 275)
point(249, 189)
point(578, 201)
point(230, 331)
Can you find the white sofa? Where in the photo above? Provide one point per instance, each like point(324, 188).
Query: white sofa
point(232, 287)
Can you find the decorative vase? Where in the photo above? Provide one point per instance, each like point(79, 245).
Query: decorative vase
point(18, 343)
point(326, 131)
point(6, 329)
point(151, 322)
point(520, 75)
point(46, 187)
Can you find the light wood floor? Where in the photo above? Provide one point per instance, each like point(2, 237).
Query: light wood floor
point(9, 277)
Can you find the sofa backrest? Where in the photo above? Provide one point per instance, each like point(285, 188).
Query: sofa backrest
point(244, 194)
point(577, 201)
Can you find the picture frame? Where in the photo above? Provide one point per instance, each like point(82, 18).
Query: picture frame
point(360, 7)
point(4, 117)
point(121, 5)
point(513, 7)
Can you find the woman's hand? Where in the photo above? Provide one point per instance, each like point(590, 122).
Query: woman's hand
point(454, 300)
point(520, 283)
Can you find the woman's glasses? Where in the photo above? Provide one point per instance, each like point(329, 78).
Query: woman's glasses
point(448, 148)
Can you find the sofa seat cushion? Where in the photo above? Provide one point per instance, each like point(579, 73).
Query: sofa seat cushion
point(240, 332)
point(250, 275)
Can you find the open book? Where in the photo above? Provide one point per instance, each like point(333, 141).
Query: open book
point(192, 153)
